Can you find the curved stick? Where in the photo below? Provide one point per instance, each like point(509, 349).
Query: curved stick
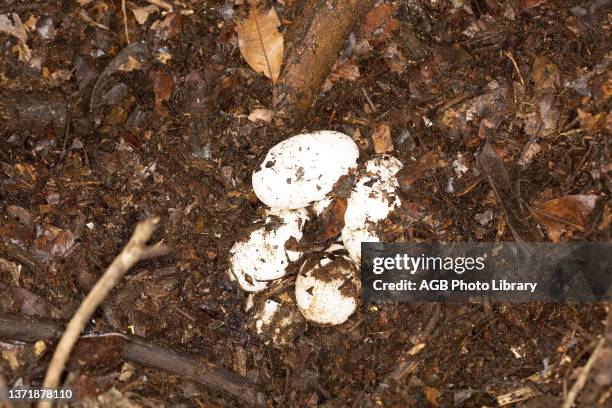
point(135, 250)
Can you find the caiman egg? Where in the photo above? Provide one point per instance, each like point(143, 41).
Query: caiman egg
point(327, 290)
point(371, 201)
point(303, 169)
point(263, 257)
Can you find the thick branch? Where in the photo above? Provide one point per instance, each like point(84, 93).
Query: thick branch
point(315, 39)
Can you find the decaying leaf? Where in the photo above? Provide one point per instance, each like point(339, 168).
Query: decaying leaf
point(379, 18)
point(162, 86)
point(493, 169)
point(591, 123)
point(14, 28)
point(131, 64)
point(559, 214)
point(133, 57)
point(347, 70)
point(409, 174)
point(395, 59)
point(332, 219)
point(260, 42)
point(432, 395)
point(381, 137)
point(329, 223)
point(169, 27)
point(529, 153)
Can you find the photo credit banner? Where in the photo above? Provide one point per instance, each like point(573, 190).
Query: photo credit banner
point(497, 272)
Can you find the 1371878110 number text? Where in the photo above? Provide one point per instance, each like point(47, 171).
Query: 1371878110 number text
point(37, 394)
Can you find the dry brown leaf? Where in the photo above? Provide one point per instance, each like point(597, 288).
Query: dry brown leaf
point(559, 214)
point(260, 42)
point(432, 395)
point(131, 64)
point(341, 70)
point(142, 13)
point(264, 115)
point(332, 219)
point(347, 70)
point(546, 75)
point(381, 136)
point(23, 51)
point(30, 24)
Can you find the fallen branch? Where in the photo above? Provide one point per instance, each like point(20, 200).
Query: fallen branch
point(194, 369)
point(135, 251)
point(138, 351)
point(26, 328)
point(315, 39)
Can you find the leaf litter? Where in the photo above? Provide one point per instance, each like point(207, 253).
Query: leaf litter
point(182, 146)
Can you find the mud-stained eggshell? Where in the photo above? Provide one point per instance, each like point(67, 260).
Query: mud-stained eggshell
point(327, 291)
point(372, 199)
point(278, 322)
point(262, 258)
point(303, 169)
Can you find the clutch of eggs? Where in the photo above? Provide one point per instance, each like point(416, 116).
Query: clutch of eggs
point(299, 172)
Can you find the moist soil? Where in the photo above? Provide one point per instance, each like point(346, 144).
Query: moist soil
point(97, 134)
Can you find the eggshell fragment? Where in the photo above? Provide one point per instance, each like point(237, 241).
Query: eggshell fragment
point(373, 198)
point(304, 168)
point(262, 257)
point(278, 322)
point(327, 290)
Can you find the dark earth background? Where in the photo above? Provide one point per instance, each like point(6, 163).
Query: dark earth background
point(166, 132)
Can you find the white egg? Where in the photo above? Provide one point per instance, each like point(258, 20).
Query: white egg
point(304, 168)
point(262, 257)
point(371, 201)
point(327, 291)
point(279, 322)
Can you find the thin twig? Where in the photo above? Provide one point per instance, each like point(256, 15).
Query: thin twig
point(161, 3)
point(516, 67)
point(365, 93)
point(135, 250)
point(91, 21)
point(125, 22)
point(584, 375)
